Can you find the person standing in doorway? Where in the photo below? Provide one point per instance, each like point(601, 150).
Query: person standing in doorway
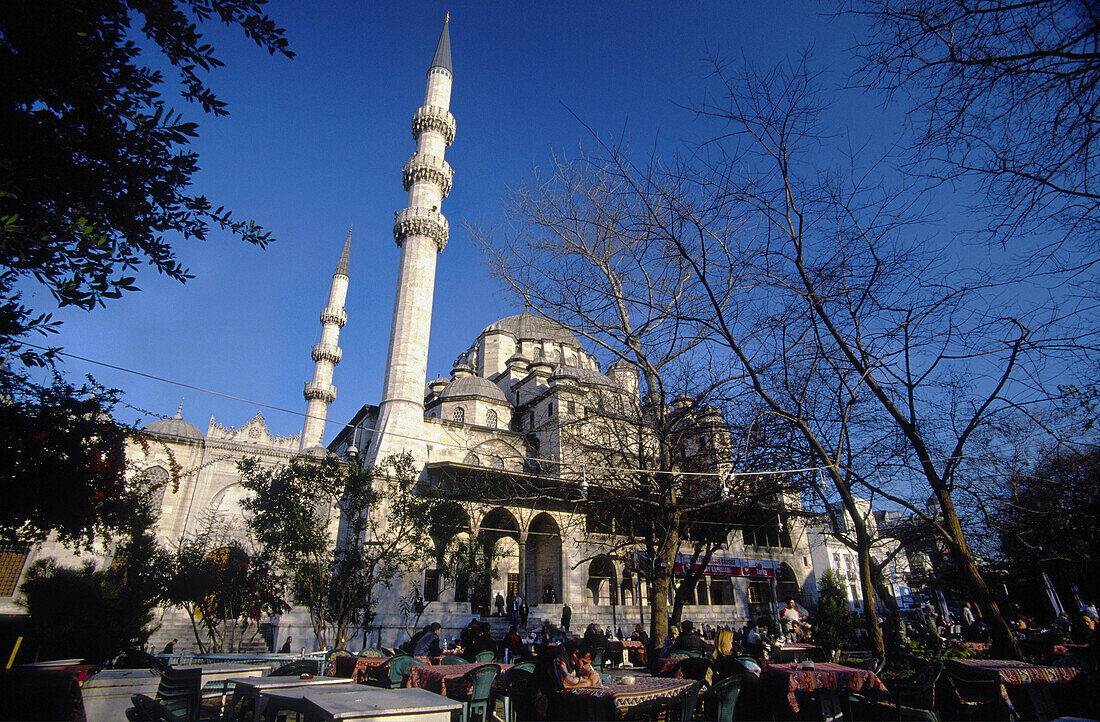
point(566, 616)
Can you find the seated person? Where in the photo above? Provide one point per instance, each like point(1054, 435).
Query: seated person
point(572, 667)
point(688, 639)
point(512, 645)
point(426, 643)
point(638, 656)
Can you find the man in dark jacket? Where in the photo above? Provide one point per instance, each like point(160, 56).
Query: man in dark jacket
point(689, 639)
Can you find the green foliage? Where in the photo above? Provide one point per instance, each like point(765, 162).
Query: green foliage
point(94, 163)
point(224, 589)
point(62, 463)
point(340, 533)
point(832, 622)
point(94, 613)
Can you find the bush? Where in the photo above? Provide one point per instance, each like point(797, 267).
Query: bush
point(832, 627)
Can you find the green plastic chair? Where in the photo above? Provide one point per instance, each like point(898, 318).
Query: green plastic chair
point(398, 669)
point(452, 659)
point(480, 702)
point(180, 692)
point(485, 655)
point(526, 666)
point(918, 693)
point(721, 699)
point(370, 652)
point(683, 707)
point(519, 692)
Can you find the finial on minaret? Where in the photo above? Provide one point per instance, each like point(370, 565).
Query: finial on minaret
point(343, 267)
point(179, 411)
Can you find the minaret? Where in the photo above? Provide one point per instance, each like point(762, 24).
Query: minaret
point(320, 392)
point(421, 232)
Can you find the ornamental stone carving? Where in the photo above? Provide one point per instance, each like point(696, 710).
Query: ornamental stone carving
point(334, 315)
point(327, 352)
point(430, 168)
point(316, 390)
point(432, 117)
point(421, 222)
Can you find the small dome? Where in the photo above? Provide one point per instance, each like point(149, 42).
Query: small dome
point(174, 426)
point(473, 386)
point(527, 326)
point(314, 452)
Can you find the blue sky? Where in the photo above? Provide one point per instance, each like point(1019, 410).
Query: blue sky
point(315, 145)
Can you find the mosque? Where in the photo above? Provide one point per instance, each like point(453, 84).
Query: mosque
point(503, 414)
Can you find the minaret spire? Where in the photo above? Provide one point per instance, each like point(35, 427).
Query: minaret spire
point(421, 232)
point(320, 392)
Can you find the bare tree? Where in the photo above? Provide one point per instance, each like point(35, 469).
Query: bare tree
point(655, 454)
point(1003, 90)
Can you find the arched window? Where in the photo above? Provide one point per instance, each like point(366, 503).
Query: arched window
point(472, 460)
point(491, 419)
point(459, 415)
point(154, 481)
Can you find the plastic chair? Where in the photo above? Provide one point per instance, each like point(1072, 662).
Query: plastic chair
point(526, 666)
point(369, 652)
point(452, 659)
point(519, 693)
point(180, 692)
point(485, 655)
point(398, 669)
point(480, 702)
point(689, 668)
point(874, 665)
point(721, 699)
point(919, 691)
point(683, 707)
point(147, 709)
point(296, 668)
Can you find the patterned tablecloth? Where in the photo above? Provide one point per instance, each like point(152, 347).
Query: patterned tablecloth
point(435, 678)
point(622, 698)
point(825, 676)
point(369, 668)
point(1010, 671)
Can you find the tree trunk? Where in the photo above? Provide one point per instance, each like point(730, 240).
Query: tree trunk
point(662, 580)
point(1004, 644)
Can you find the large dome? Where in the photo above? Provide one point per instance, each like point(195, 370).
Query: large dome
point(527, 326)
point(473, 386)
point(175, 426)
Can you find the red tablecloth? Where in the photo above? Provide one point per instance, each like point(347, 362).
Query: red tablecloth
point(824, 676)
point(369, 668)
point(1011, 671)
point(434, 678)
point(622, 698)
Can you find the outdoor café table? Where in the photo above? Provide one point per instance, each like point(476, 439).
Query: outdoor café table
point(434, 678)
point(1033, 680)
point(827, 679)
point(792, 652)
point(251, 689)
point(362, 703)
point(617, 700)
point(372, 668)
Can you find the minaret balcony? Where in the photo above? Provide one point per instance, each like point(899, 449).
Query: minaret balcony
point(327, 352)
point(334, 315)
point(317, 390)
point(421, 222)
point(430, 168)
point(432, 117)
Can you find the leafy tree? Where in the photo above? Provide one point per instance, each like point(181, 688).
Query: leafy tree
point(1047, 518)
point(340, 533)
point(95, 613)
point(224, 589)
point(832, 622)
point(62, 461)
point(94, 162)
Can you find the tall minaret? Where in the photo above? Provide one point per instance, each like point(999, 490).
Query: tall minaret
point(421, 232)
point(320, 392)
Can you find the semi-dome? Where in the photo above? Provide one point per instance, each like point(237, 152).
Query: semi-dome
point(473, 386)
point(175, 426)
point(528, 326)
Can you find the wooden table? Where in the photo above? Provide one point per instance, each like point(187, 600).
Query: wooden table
point(617, 701)
point(248, 691)
point(1031, 681)
point(434, 678)
point(827, 679)
point(364, 703)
